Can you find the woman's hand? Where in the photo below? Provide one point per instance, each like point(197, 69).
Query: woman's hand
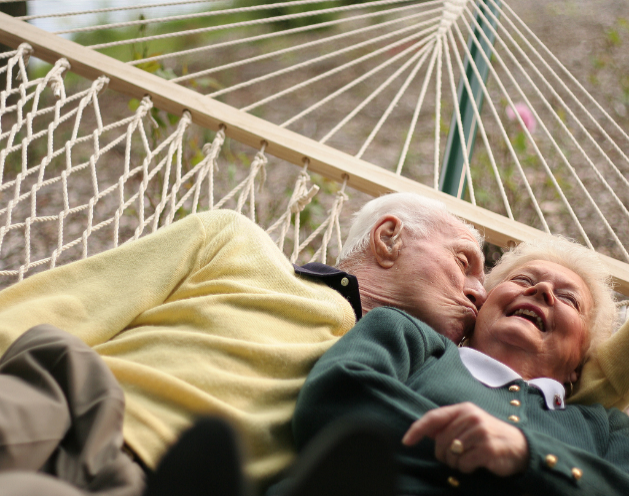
point(484, 441)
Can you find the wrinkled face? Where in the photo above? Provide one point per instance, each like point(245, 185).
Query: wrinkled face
point(536, 321)
point(442, 280)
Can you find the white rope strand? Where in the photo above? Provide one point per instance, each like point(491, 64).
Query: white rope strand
point(438, 83)
point(506, 139)
point(310, 44)
point(247, 186)
point(457, 113)
point(111, 9)
point(531, 35)
point(570, 134)
point(422, 55)
point(210, 164)
point(420, 100)
point(595, 121)
point(527, 132)
point(424, 50)
point(478, 120)
point(326, 74)
point(356, 81)
point(241, 24)
point(300, 198)
point(565, 159)
point(196, 15)
point(274, 34)
point(331, 224)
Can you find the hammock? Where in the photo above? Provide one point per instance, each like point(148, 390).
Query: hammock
point(454, 96)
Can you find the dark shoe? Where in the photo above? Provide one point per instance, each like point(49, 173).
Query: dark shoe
point(205, 461)
point(348, 459)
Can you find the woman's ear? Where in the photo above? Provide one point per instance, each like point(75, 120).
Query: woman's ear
point(574, 375)
point(385, 241)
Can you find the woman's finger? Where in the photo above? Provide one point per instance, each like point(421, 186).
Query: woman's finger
point(432, 423)
point(467, 438)
point(453, 439)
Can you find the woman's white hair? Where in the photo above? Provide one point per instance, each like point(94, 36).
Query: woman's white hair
point(580, 260)
point(420, 216)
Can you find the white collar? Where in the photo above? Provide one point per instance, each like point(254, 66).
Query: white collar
point(495, 374)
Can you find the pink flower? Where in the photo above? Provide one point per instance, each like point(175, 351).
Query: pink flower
point(525, 114)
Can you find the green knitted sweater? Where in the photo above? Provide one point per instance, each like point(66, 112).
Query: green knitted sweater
point(396, 368)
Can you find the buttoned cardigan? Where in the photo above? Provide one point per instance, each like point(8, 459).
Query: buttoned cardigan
point(394, 368)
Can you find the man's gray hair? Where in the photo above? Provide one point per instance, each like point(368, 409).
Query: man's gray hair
point(420, 217)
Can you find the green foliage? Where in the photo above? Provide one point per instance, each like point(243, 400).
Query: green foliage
point(608, 66)
point(613, 37)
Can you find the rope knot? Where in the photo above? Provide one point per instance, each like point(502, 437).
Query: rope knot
point(55, 78)
point(259, 164)
point(304, 199)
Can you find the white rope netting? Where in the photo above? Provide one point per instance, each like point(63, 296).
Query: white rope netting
point(73, 184)
point(380, 80)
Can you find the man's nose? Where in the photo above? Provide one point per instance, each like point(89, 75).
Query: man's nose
point(475, 292)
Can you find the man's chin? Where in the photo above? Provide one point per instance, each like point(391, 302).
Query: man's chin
point(457, 330)
point(454, 327)
point(453, 334)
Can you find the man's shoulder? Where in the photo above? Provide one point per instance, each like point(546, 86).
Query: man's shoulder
point(220, 216)
point(231, 223)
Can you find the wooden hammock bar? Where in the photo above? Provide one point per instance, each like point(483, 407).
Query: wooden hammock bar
point(253, 131)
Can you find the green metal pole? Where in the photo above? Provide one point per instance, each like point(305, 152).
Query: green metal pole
point(452, 169)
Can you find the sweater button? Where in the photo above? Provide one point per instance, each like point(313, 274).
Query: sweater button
point(453, 481)
point(551, 461)
point(344, 281)
point(577, 473)
point(514, 418)
point(515, 402)
point(514, 388)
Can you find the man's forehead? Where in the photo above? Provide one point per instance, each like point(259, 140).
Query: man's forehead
point(459, 234)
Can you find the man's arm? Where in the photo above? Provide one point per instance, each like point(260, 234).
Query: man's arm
point(98, 297)
point(605, 376)
point(364, 374)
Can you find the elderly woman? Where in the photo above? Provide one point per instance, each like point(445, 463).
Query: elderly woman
point(492, 417)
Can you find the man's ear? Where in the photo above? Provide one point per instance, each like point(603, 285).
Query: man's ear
point(385, 241)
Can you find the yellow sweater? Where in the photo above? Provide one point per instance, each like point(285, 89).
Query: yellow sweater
point(605, 376)
point(204, 317)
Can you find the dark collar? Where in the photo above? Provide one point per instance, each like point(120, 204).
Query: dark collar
point(346, 284)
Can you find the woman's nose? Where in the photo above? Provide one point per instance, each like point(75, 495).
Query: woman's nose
point(543, 290)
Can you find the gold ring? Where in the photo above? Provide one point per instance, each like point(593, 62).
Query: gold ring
point(457, 447)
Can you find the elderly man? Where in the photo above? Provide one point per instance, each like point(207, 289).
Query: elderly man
point(208, 317)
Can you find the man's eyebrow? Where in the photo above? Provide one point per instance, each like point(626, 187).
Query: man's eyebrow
point(475, 249)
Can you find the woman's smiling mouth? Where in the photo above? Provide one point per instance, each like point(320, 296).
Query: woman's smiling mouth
point(531, 316)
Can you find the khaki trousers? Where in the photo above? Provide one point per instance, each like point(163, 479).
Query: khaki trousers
point(61, 413)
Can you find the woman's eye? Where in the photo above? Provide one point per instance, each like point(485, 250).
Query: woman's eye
point(570, 299)
point(522, 279)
